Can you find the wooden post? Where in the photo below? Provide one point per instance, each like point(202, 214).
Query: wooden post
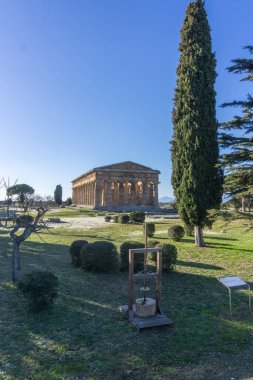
point(130, 281)
point(158, 281)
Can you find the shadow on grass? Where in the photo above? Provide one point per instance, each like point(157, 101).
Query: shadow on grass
point(207, 236)
point(198, 265)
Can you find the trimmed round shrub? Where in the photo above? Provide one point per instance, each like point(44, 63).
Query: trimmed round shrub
point(176, 233)
point(137, 216)
point(124, 218)
point(75, 252)
point(150, 227)
point(40, 288)
point(100, 257)
point(108, 218)
point(153, 244)
point(24, 220)
point(124, 255)
point(115, 219)
point(169, 257)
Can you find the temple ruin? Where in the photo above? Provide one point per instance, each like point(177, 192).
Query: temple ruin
point(123, 186)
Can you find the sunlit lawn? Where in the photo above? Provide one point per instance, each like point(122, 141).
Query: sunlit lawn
point(84, 336)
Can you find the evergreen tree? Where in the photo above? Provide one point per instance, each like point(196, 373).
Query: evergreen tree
point(58, 195)
point(196, 180)
point(237, 136)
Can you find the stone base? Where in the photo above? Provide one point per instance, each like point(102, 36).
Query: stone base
point(145, 309)
point(126, 208)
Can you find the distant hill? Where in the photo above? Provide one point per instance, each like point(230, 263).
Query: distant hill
point(166, 199)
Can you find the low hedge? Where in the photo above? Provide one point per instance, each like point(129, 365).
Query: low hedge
point(124, 255)
point(169, 257)
point(100, 257)
point(150, 228)
point(124, 218)
point(137, 216)
point(176, 233)
point(75, 252)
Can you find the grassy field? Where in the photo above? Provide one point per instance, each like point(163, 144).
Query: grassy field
point(84, 336)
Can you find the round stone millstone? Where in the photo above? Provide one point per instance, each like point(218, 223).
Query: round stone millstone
point(145, 309)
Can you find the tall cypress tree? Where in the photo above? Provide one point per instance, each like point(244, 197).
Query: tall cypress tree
point(196, 180)
point(58, 195)
point(237, 136)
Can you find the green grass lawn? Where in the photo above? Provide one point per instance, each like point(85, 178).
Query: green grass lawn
point(84, 336)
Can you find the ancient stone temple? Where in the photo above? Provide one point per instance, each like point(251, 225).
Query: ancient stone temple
point(122, 186)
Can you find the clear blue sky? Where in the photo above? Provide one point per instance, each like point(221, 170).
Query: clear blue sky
point(85, 83)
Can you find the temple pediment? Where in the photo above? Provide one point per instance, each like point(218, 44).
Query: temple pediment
point(126, 166)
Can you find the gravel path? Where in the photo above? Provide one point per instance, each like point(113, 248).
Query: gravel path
point(80, 223)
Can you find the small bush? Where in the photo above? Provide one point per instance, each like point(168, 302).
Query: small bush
point(176, 232)
point(24, 220)
point(150, 227)
point(115, 219)
point(100, 256)
point(69, 201)
point(108, 218)
point(124, 218)
point(169, 257)
point(40, 288)
point(75, 251)
point(137, 216)
point(153, 244)
point(124, 255)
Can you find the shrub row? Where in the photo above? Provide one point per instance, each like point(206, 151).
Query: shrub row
point(102, 256)
point(133, 217)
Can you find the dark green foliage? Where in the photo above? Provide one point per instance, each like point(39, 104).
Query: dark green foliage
point(196, 180)
point(100, 257)
point(40, 288)
point(116, 219)
point(176, 233)
point(236, 138)
point(189, 230)
point(22, 190)
point(169, 257)
point(69, 201)
point(58, 195)
point(124, 218)
point(108, 218)
point(137, 216)
point(75, 252)
point(24, 220)
point(124, 255)
point(150, 228)
point(153, 243)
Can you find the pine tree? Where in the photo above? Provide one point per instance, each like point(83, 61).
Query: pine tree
point(237, 136)
point(58, 195)
point(196, 180)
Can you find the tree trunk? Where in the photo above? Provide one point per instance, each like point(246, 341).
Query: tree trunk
point(199, 240)
point(243, 204)
point(15, 261)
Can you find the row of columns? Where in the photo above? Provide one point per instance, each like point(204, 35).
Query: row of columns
point(85, 194)
point(116, 193)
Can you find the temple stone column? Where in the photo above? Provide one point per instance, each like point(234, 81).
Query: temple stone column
point(121, 193)
point(97, 193)
point(155, 194)
point(109, 194)
point(133, 194)
point(144, 193)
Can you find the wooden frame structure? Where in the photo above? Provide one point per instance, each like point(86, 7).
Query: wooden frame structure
point(159, 319)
